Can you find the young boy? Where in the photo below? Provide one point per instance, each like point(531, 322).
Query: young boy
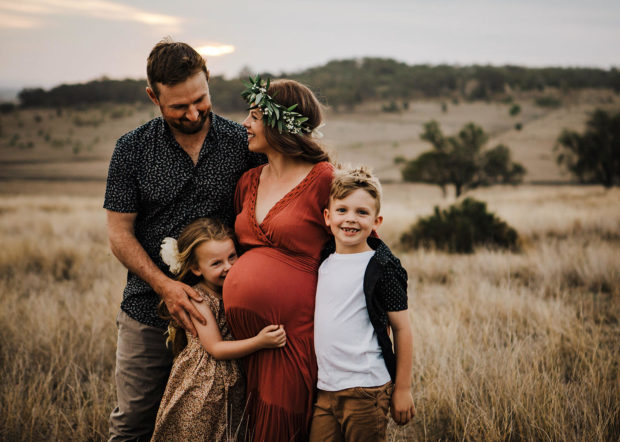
point(361, 289)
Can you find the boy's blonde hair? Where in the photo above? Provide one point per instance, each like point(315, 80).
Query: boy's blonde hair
point(349, 179)
point(192, 235)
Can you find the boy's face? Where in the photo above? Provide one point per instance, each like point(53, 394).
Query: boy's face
point(351, 220)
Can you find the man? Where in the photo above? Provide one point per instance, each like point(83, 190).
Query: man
point(164, 174)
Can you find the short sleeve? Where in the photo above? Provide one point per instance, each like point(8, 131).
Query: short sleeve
point(121, 194)
point(393, 288)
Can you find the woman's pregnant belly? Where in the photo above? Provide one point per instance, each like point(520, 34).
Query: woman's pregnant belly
point(264, 287)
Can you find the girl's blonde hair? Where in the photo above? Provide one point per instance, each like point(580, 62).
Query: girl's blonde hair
point(194, 234)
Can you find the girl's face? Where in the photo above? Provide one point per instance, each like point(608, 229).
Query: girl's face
point(256, 131)
point(214, 259)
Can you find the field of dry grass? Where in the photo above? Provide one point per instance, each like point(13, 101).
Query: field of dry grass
point(508, 346)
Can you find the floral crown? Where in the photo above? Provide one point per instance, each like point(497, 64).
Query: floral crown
point(274, 114)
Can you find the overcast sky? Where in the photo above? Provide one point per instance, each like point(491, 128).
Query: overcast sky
point(49, 42)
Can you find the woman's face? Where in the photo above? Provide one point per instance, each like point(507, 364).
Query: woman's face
point(256, 131)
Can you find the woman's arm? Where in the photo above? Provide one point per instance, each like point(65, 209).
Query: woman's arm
point(272, 336)
point(402, 401)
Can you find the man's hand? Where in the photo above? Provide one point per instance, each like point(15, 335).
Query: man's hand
point(130, 252)
point(403, 409)
point(176, 295)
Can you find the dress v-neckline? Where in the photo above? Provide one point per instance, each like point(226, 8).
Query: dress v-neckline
point(282, 202)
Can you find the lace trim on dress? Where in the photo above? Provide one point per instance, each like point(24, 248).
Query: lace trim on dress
point(283, 202)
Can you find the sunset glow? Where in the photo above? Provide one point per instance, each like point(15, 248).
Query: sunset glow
point(215, 49)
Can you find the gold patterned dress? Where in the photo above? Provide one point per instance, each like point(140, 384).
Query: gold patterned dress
point(204, 398)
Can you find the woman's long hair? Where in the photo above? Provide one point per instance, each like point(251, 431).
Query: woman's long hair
point(194, 234)
point(303, 146)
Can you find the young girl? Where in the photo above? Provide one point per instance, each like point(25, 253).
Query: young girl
point(205, 395)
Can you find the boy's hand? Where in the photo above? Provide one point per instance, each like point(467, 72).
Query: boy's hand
point(272, 336)
point(402, 406)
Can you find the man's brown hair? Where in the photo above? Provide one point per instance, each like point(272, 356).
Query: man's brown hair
point(171, 63)
point(348, 179)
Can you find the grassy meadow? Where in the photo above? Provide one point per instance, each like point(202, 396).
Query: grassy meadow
point(508, 345)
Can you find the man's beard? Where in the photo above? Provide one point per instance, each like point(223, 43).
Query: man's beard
point(195, 127)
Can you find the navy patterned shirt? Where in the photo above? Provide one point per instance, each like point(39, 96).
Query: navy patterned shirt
point(150, 174)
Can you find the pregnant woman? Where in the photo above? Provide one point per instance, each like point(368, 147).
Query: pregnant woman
point(281, 231)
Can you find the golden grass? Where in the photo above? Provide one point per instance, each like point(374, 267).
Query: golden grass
point(508, 346)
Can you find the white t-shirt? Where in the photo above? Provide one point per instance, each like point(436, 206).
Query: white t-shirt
point(346, 346)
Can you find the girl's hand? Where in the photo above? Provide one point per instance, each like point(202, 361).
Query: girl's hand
point(272, 336)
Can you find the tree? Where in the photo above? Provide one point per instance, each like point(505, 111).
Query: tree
point(460, 160)
point(593, 157)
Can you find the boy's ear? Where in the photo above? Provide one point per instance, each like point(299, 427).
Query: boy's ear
point(326, 216)
point(378, 221)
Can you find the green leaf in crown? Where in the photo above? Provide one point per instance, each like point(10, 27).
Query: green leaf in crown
point(274, 114)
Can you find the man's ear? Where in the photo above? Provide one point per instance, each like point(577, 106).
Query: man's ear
point(151, 93)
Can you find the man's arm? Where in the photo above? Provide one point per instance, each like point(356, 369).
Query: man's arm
point(126, 247)
point(402, 401)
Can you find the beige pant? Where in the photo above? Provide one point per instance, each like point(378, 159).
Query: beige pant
point(142, 367)
point(355, 414)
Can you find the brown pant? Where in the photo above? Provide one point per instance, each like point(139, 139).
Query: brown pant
point(142, 368)
point(355, 414)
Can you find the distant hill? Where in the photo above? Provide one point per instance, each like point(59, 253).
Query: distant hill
point(347, 83)
point(8, 94)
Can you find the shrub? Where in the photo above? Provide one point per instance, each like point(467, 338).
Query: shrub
point(399, 159)
point(7, 107)
point(392, 107)
point(515, 109)
point(459, 228)
point(519, 126)
point(548, 101)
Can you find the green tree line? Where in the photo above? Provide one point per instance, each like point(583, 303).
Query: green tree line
point(346, 83)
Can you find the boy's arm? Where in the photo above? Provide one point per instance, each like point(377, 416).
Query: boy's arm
point(402, 401)
point(210, 337)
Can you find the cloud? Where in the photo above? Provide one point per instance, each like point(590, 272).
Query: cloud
point(215, 49)
point(23, 14)
point(12, 21)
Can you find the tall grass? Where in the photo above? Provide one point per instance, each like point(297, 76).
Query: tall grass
point(507, 346)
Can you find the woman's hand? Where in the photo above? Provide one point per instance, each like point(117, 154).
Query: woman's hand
point(272, 336)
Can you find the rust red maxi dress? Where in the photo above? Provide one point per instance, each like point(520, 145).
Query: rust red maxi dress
point(274, 282)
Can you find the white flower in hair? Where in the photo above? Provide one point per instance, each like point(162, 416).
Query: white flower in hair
point(170, 254)
point(316, 133)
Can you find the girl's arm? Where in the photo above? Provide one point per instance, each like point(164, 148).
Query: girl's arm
point(402, 401)
point(272, 336)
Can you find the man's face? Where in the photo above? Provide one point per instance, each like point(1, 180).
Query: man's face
point(185, 106)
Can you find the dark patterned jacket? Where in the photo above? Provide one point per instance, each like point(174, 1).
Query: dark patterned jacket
point(385, 288)
point(151, 175)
